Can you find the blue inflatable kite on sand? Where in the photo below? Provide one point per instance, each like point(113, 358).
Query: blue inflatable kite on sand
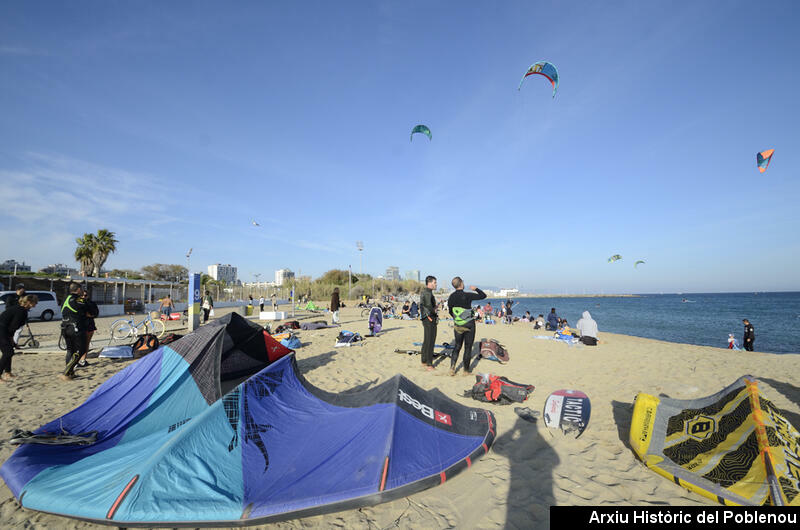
point(219, 428)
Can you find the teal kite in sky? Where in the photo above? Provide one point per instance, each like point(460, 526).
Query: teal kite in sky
point(615, 257)
point(763, 158)
point(423, 129)
point(546, 69)
point(638, 262)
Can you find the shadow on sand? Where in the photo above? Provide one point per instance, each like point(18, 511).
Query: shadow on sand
point(530, 488)
point(790, 392)
point(311, 363)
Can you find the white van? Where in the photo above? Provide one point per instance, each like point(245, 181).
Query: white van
point(46, 309)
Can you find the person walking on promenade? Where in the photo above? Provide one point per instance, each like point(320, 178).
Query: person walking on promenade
point(208, 306)
point(335, 305)
point(430, 319)
point(12, 319)
point(460, 304)
point(749, 335)
point(274, 299)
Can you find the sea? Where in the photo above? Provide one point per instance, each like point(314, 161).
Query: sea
point(705, 319)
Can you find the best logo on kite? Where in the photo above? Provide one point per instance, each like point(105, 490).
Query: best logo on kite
point(545, 69)
point(422, 129)
point(763, 158)
point(615, 257)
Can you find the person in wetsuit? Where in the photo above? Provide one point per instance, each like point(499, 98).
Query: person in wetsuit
point(427, 304)
point(460, 304)
point(74, 326)
point(12, 320)
point(749, 335)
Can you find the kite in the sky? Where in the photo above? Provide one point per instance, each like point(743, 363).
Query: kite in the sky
point(546, 69)
point(254, 223)
point(638, 262)
point(423, 129)
point(763, 159)
point(615, 257)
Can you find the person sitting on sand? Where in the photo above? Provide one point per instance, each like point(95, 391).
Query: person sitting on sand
point(527, 317)
point(405, 313)
point(539, 322)
point(587, 329)
point(552, 320)
point(487, 309)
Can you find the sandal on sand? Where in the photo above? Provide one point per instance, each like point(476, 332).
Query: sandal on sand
point(527, 414)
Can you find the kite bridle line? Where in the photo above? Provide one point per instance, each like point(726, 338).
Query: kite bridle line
point(763, 444)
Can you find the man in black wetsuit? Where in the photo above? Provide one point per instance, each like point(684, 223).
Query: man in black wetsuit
point(73, 327)
point(427, 305)
point(460, 304)
point(749, 335)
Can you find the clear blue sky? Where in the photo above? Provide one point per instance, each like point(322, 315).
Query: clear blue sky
point(175, 123)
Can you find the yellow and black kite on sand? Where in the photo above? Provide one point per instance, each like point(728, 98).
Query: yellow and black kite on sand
point(734, 447)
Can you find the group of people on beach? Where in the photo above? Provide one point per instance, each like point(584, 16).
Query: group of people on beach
point(262, 300)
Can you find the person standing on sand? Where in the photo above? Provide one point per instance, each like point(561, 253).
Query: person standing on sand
point(460, 304)
point(274, 299)
point(749, 335)
point(74, 328)
point(335, 305)
point(11, 320)
point(12, 300)
point(261, 303)
point(430, 319)
point(92, 312)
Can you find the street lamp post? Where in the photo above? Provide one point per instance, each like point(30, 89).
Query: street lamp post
point(360, 247)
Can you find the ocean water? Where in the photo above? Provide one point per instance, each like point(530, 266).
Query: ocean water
point(706, 319)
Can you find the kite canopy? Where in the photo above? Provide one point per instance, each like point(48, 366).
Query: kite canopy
point(638, 262)
point(423, 129)
point(615, 257)
point(763, 158)
point(219, 428)
point(733, 447)
point(545, 69)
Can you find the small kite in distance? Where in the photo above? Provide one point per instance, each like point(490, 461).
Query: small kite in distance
point(615, 257)
point(545, 69)
point(422, 129)
point(638, 262)
point(763, 158)
point(254, 223)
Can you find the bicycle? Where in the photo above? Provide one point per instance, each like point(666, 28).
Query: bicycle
point(30, 341)
point(62, 343)
point(123, 328)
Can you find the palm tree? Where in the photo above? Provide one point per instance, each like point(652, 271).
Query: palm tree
point(104, 244)
point(84, 253)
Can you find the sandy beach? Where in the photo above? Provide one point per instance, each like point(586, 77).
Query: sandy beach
point(529, 467)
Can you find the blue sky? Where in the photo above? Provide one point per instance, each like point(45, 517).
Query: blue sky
point(175, 123)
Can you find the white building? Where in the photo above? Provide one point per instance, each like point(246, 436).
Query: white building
point(283, 276)
point(60, 268)
point(505, 293)
point(12, 265)
point(226, 273)
point(413, 275)
point(393, 273)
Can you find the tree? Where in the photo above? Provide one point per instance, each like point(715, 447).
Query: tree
point(164, 272)
point(335, 277)
point(105, 244)
point(84, 253)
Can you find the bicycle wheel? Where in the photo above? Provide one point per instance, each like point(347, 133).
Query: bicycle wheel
point(364, 313)
point(157, 328)
point(121, 329)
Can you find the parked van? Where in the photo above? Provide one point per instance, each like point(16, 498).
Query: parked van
point(46, 309)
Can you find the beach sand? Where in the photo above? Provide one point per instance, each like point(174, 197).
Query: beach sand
point(529, 467)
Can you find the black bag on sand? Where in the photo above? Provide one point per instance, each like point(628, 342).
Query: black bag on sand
point(145, 344)
point(589, 341)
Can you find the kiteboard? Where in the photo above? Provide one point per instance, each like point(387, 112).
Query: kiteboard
point(568, 410)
